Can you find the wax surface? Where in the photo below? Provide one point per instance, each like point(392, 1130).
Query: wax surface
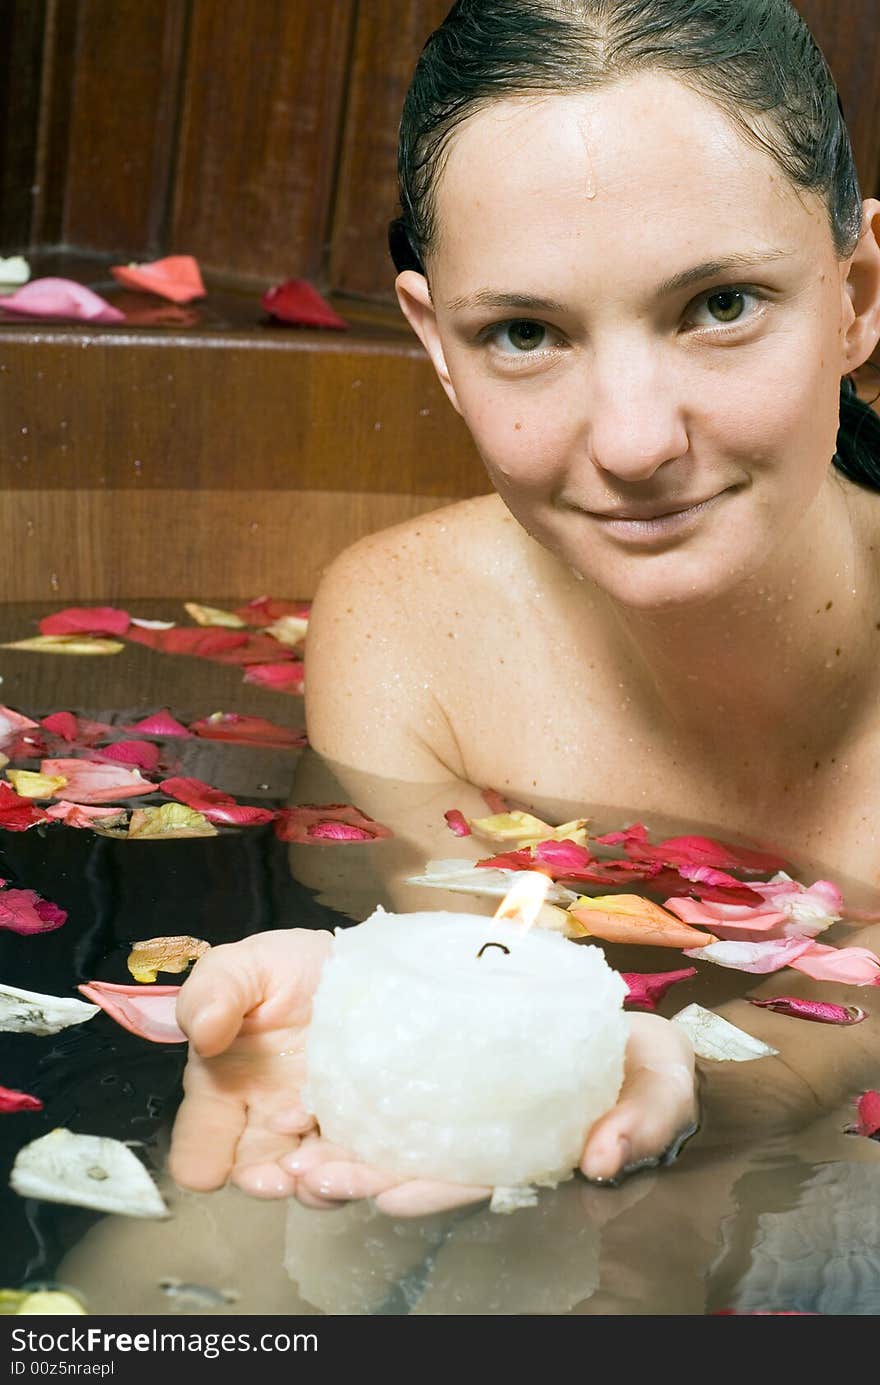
point(430, 1061)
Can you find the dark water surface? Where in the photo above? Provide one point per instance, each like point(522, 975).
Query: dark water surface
point(769, 1219)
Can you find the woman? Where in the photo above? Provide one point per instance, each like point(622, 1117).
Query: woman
point(633, 246)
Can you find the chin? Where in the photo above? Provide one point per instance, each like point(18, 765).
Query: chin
point(664, 582)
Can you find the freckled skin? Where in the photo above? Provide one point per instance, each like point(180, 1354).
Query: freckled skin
point(699, 679)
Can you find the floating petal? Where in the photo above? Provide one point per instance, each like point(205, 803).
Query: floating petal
point(287, 677)
point(25, 912)
point(245, 730)
point(168, 820)
point(646, 988)
point(14, 271)
point(29, 784)
point(85, 815)
point(152, 955)
point(691, 851)
point(213, 615)
point(717, 1039)
point(147, 1012)
point(11, 1100)
point(42, 1302)
point(462, 877)
point(631, 919)
point(820, 1011)
point(176, 277)
point(93, 781)
point(761, 958)
point(298, 302)
point(457, 823)
point(63, 724)
point(288, 629)
point(17, 814)
point(86, 620)
point(868, 1116)
point(160, 724)
point(327, 822)
point(854, 966)
point(264, 610)
point(29, 1012)
point(87, 1171)
point(60, 300)
point(524, 829)
point(204, 642)
point(66, 644)
point(142, 754)
point(12, 722)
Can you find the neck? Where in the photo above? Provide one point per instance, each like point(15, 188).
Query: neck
point(785, 661)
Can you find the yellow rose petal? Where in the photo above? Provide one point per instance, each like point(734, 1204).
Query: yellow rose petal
point(152, 955)
point(29, 784)
point(288, 629)
point(169, 820)
point(67, 644)
point(213, 615)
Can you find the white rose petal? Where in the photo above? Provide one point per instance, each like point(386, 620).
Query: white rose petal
point(88, 1171)
point(29, 1012)
point(718, 1039)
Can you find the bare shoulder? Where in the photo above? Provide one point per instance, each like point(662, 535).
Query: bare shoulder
point(373, 665)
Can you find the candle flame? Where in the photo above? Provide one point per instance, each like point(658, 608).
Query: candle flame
point(525, 898)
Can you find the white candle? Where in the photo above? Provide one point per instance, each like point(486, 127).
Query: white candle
point(463, 1048)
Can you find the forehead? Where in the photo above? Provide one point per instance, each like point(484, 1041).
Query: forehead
point(645, 168)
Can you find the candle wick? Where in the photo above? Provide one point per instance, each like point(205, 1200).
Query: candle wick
point(485, 945)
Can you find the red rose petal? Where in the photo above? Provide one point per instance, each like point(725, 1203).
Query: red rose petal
point(86, 620)
point(245, 730)
point(160, 724)
point(286, 677)
point(17, 814)
point(143, 754)
point(457, 823)
point(647, 988)
point(11, 1100)
point(265, 610)
point(298, 302)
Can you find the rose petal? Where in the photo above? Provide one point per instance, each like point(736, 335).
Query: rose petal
point(30, 1012)
point(86, 620)
point(84, 815)
point(88, 1171)
point(215, 805)
point(328, 822)
point(287, 677)
point(148, 1013)
point(17, 814)
point(142, 754)
point(204, 642)
point(60, 300)
point(761, 958)
point(868, 1115)
point(646, 988)
point(213, 615)
point(63, 724)
point(160, 724)
point(11, 722)
point(457, 823)
point(176, 277)
point(245, 730)
point(297, 301)
point(66, 644)
point(29, 784)
point(26, 912)
point(93, 781)
point(649, 926)
point(265, 610)
point(820, 1011)
point(11, 1100)
point(691, 851)
point(152, 955)
point(717, 1039)
point(854, 966)
point(168, 820)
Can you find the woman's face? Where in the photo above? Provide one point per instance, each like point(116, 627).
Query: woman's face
point(637, 314)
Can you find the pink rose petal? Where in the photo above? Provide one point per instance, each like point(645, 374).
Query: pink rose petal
point(86, 620)
point(23, 911)
point(755, 957)
point(457, 823)
point(340, 822)
point(11, 722)
point(645, 989)
point(868, 1116)
point(60, 300)
point(160, 724)
point(11, 1100)
point(265, 610)
point(63, 724)
point(820, 1011)
point(80, 814)
point(92, 781)
point(143, 754)
point(854, 966)
point(216, 806)
point(286, 677)
point(246, 730)
point(148, 1011)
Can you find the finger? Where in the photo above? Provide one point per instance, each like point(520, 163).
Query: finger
point(311, 1152)
point(320, 1204)
point(651, 1114)
point(294, 1120)
point(220, 990)
point(206, 1132)
point(421, 1198)
point(264, 1180)
point(343, 1180)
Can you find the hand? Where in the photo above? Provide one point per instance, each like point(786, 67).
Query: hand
point(246, 1008)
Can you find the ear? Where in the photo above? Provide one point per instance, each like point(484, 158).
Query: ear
point(416, 304)
point(862, 328)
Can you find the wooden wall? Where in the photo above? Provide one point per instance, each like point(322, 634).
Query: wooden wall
point(259, 136)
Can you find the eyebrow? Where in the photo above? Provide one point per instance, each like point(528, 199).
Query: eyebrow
point(709, 269)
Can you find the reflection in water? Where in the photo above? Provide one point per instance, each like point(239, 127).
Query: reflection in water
point(747, 1218)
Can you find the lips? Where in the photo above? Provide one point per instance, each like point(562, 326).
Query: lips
point(652, 512)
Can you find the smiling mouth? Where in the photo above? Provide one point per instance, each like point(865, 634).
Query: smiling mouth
point(648, 526)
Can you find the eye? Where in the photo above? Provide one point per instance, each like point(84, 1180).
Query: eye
point(518, 337)
point(723, 307)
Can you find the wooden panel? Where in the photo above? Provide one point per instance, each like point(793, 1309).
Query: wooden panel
point(126, 410)
point(104, 546)
point(849, 36)
point(390, 36)
point(258, 148)
point(21, 49)
point(124, 110)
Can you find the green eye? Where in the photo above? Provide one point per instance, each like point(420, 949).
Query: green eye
point(726, 305)
point(525, 335)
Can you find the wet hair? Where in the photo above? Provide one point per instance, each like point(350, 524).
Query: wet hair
point(755, 59)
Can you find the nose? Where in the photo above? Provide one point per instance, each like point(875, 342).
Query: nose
point(635, 416)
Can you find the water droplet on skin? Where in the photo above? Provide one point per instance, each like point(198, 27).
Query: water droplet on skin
point(53, 581)
point(24, 430)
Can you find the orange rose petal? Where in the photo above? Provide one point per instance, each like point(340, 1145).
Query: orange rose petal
point(152, 955)
point(176, 277)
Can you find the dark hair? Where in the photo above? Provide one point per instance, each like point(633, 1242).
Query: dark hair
point(756, 59)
